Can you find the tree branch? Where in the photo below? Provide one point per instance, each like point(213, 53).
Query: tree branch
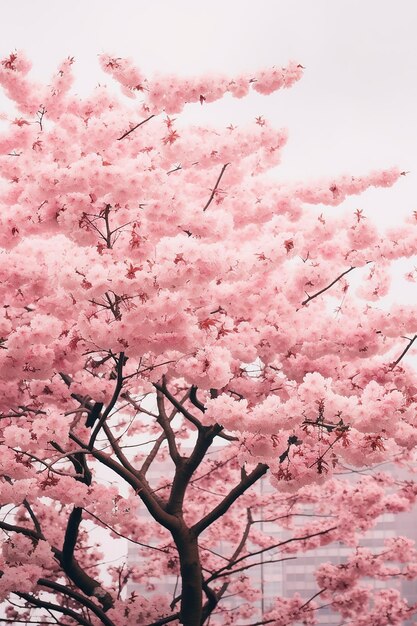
point(189, 416)
point(152, 454)
point(164, 421)
point(309, 298)
point(138, 483)
point(115, 396)
point(135, 127)
point(246, 482)
point(74, 571)
point(187, 466)
point(50, 584)
point(138, 543)
point(118, 451)
point(165, 620)
point(195, 400)
point(215, 576)
point(44, 604)
point(404, 352)
point(27, 532)
point(210, 605)
point(213, 193)
point(275, 545)
point(33, 518)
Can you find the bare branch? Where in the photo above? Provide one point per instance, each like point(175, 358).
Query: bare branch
point(152, 454)
point(33, 518)
point(89, 604)
point(186, 467)
point(44, 604)
point(189, 416)
point(115, 397)
point(213, 193)
point(309, 298)
point(139, 484)
point(195, 400)
point(138, 543)
point(135, 127)
point(246, 482)
point(404, 352)
point(244, 568)
point(278, 545)
point(164, 421)
point(165, 620)
point(28, 532)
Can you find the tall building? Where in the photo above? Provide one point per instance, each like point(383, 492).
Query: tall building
point(289, 577)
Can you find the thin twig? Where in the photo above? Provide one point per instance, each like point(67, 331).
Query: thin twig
point(135, 127)
point(404, 352)
point(312, 598)
point(77, 617)
point(144, 545)
point(304, 302)
point(215, 186)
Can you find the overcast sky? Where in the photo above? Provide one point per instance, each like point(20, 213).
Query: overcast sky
point(354, 110)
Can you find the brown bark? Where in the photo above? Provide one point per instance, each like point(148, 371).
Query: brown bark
point(191, 577)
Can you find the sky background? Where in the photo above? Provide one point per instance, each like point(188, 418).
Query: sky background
point(355, 109)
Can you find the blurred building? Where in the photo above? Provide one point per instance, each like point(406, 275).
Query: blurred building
point(288, 577)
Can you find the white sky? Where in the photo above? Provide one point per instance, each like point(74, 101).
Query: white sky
point(354, 110)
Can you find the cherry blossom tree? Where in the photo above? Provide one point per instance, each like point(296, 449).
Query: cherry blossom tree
point(165, 303)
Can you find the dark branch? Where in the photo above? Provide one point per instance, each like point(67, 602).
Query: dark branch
point(309, 298)
point(33, 518)
point(195, 400)
point(70, 539)
point(164, 421)
point(74, 571)
point(44, 604)
point(246, 482)
point(404, 352)
point(212, 602)
point(245, 567)
point(138, 484)
point(273, 546)
point(50, 584)
point(165, 620)
point(27, 532)
point(189, 416)
point(138, 543)
point(186, 467)
point(152, 454)
point(213, 193)
point(110, 406)
point(135, 127)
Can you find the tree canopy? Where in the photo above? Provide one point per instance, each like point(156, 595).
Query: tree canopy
point(163, 297)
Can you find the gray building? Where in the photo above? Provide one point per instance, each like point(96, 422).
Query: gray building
point(289, 577)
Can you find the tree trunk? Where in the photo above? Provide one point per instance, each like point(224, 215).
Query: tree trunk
point(191, 577)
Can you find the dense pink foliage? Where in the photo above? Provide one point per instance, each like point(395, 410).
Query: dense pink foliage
point(141, 255)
